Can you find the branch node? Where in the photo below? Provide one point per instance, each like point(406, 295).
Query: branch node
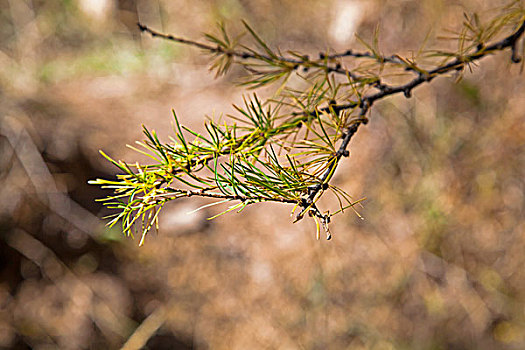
point(364, 105)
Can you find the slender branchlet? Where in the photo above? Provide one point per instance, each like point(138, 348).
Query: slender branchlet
point(287, 149)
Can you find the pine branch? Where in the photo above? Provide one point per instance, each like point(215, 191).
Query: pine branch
point(314, 126)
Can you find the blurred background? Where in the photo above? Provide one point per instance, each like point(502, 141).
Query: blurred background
point(436, 264)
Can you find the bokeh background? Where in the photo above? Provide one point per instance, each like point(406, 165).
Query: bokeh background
point(437, 262)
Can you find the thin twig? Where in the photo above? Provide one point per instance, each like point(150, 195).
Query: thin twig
point(247, 200)
point(214, 49)
point(305, 61)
